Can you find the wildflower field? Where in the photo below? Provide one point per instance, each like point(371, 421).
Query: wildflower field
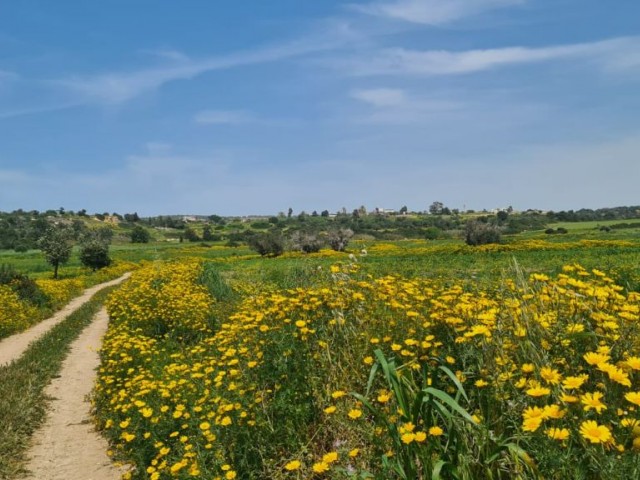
point(392, 364)
point(24, 302)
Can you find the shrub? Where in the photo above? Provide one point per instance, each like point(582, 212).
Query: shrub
point(305, 242)
point(339, 238)
point(26, 289)
point(140, 235)
point(267, 244)
point(191, 235)
point(95, 255)
point(432, 233)
point(480, 233)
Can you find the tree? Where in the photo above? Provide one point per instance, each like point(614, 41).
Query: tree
point(207, 235)
point(305, 242)
point(191, 235)
point(267, 244)
point(404, 210)
point(140, 235)
point(481, 233)
point(56, 245)
point(339, 238)
point(94, 248)
point(95, 254)
point(436, 208)
point(502, 216)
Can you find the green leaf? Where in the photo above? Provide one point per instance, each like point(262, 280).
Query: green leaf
point(455, 380)
point(450, 402)
point(437, 468)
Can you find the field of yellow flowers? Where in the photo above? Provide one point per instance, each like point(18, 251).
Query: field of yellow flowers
point(20, 308)
point(366, 374)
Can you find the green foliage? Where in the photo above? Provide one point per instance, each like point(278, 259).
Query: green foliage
point(56, 245)
point(267, 244)
point(95, 255)
point(207, 234)
point(432, 233)
point(422, 403)
point(25, 287)
point(305, 242)
point(191, 235)
point(339, 238)
point(140, 235)
point(481, 233)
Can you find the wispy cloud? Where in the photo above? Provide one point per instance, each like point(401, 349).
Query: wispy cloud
point(167, 53)
point(432, 12)
point(226, 117)
point(5, 75)
point(20, 112)
point(380, 97)
point(119, 87)
point(397, 106)
point(617, 53)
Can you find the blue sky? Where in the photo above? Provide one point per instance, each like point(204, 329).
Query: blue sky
point(252, 107)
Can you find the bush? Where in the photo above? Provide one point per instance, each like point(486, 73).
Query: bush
point(305, 242)
point(432, 233)
point(191, 235)
point(267, 244)
point(140, 235)
point(339, 238)
point(480, 233)
point(26, 289)
point(95, 255)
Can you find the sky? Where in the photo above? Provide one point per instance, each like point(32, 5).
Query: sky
point(252, 107)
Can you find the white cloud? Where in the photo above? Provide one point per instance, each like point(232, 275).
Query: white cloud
point(225, 117)
point(167, 53)
point(380, 97)
point(432, 12)
point(617, 53)
point(19, 112)
point(119, 87)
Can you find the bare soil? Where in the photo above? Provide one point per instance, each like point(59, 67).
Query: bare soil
point(67, 447)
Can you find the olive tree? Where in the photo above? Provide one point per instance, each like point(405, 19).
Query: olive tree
point(56, 244)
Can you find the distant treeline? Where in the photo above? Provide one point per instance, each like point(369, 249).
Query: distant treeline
point(587, 214)
point(20, 230)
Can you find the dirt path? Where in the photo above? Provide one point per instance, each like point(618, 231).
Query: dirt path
point(67, 447)
point(14, 346)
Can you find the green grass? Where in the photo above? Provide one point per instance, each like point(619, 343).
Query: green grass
point(590, 225)
point(22, 400)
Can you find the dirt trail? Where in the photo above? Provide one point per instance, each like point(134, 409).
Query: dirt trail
point(67, 447)
point(11, 348)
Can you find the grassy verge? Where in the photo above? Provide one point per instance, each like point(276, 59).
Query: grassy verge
point(22, 399)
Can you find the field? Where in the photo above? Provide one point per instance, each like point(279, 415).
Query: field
point(406, 359)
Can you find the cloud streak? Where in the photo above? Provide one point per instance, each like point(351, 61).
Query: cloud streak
point(613, 54)
point(119, 87)
point(380, 97)
point(432, 12)
point(225, 117)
